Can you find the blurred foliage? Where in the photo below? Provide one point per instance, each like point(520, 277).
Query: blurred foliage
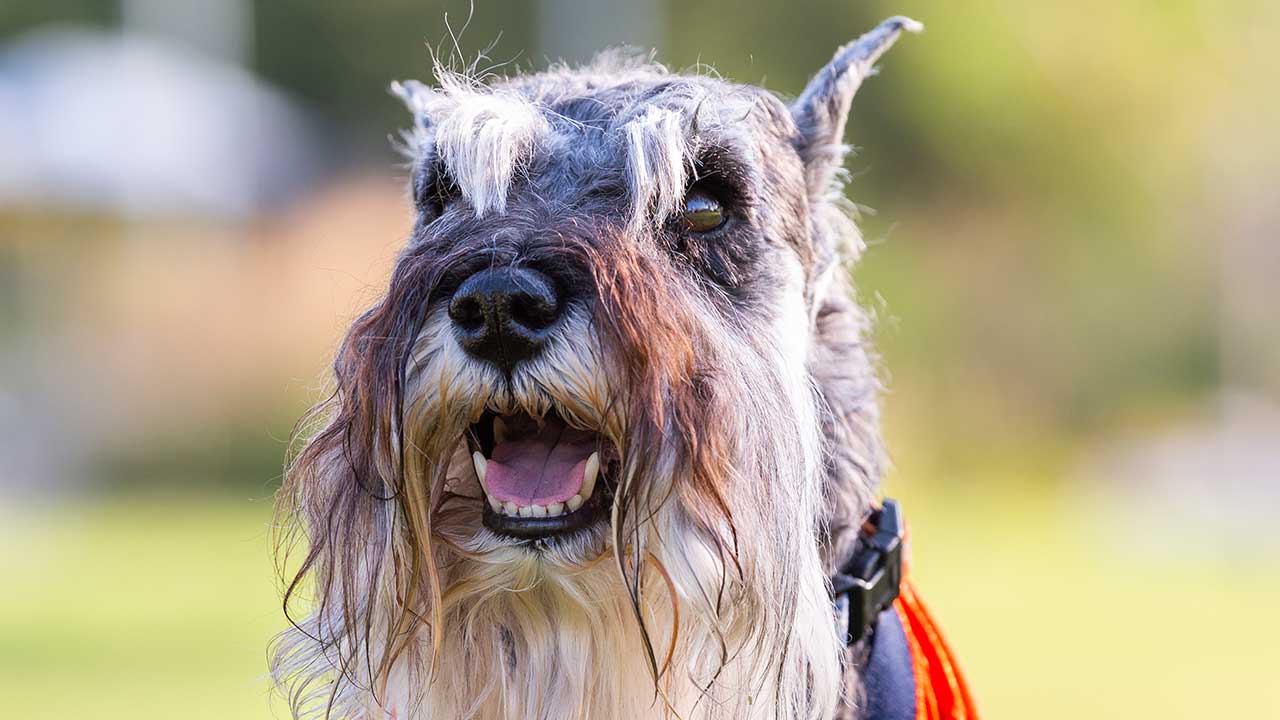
point(343, 60)
point(20, 15)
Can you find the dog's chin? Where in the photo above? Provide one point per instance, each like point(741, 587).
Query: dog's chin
point(543, 480)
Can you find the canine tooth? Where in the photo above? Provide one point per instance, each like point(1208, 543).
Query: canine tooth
point(509, 508)
point(537, 511)
point(555, 508)
point(574, 503)
point(499, 430)
point(589, 475)
point(478, 460)
point(493, 503)
point(525, 511)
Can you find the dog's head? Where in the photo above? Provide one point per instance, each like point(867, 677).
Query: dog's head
point(611, 417)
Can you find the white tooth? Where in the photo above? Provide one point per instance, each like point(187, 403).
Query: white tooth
point(537, 511)
point(589, 476)
point(555, 509)
point(574, 503)
point(493, 503)
point(499, 430)
point(525, 511)
point(509, 508)
point(478, 460)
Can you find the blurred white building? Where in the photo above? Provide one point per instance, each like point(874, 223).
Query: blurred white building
point(133, 124)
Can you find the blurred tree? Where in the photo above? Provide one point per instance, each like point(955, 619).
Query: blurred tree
point(19, 15)
point(342, 57)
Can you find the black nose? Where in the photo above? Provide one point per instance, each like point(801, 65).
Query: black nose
point(503, 316)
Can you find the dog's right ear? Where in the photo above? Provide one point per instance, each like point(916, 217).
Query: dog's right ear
point(417, 97)
point(821, 110)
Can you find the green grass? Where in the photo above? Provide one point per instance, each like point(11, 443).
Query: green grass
point(1055, 616)
point(148, 608)
point(161, 608)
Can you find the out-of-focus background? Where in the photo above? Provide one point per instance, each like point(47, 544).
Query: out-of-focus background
point(1073, 214)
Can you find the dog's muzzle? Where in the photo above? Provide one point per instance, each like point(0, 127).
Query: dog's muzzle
point(541, 476)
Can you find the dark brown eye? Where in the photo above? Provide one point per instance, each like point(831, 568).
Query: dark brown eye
point(702, 212)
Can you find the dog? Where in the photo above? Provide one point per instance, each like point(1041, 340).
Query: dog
point(602, 445)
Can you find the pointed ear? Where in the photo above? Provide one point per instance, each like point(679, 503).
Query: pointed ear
point(822, 108)
point(417, 97)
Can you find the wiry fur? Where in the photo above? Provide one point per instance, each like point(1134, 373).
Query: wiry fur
point(730, 372)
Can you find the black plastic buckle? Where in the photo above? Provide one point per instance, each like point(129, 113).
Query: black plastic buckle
point(868, 583)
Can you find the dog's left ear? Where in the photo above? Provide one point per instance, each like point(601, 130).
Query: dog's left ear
point(821, 110)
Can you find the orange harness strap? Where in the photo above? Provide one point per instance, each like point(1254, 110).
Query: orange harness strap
point(941, 691)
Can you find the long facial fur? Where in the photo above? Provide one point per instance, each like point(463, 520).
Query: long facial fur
point(744, 411)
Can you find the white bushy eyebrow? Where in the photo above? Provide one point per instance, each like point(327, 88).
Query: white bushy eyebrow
point(658, 161)
point(483, 136)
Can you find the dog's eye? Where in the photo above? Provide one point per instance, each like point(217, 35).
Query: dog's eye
point(702, 212)
point(436, 192)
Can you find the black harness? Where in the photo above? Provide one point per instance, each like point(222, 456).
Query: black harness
point(863, 590)
point(868, 584)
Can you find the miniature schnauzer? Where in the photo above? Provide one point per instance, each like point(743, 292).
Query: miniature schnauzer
point(600, 446)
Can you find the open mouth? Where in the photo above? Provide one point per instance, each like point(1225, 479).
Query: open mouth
point(541, 477)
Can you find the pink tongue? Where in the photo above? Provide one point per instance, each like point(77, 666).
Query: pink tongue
point(542, 469)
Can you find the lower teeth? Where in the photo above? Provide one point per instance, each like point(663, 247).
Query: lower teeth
point(553, 510)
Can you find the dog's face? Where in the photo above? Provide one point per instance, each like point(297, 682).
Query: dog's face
point(604, 284)
point(609, 338)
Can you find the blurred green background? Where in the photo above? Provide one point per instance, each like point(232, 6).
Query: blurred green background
point(1072, 210)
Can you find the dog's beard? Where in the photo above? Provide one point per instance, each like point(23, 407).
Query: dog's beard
point(700, 593)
